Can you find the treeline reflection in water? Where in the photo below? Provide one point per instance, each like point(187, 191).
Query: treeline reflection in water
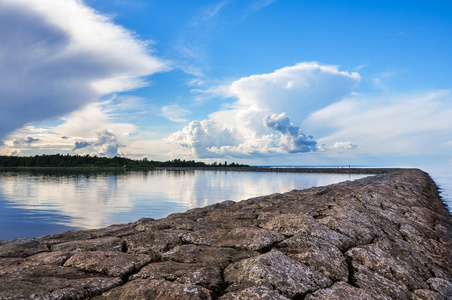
point(34, 204)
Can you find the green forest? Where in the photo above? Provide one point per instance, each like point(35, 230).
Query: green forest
point(87, 161)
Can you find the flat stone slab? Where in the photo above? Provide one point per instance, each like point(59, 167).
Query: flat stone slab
point(387, 236)
point(276, 271)
point(110, 263)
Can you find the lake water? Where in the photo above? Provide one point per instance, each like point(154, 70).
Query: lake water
point(36, 204)
point(443, 178)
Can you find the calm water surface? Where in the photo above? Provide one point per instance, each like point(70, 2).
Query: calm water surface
point(37, 204)
point(443, 179)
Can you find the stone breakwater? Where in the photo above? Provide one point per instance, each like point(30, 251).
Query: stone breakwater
point(381, 237)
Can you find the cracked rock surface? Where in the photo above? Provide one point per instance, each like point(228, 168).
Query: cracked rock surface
point(382, 237)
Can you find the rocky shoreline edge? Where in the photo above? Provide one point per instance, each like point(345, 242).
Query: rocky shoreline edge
point(386, 236)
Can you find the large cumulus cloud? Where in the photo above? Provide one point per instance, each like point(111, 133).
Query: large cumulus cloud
point(261, 121)
point(58, 55)
point(292, 138)
point(199, 136)
point(106, 144)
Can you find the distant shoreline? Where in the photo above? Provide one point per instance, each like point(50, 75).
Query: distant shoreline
point(76, 169)
point(338, 170)
point(322, 170)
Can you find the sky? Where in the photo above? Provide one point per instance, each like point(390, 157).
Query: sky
point(263, 82)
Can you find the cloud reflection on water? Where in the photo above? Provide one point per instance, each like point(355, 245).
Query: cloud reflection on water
point(96, 200)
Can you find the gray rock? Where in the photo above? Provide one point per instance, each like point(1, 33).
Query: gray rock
point(243, 238)
point(427, 295)
point(22, 247)
point(199, 274)
point(158, 290)
point(100, 244)
point(118, 230)
point(274, 269)
point(341, 291)
point(254, 293)
point(384, 264)
point(318, 254)
point(206, 255)
point(153, 242)
point(302, 224)
point(68, 236)
point(442, 286)
point(383, 288)
point(111, 263)
point(54, 282)
point(15, 266)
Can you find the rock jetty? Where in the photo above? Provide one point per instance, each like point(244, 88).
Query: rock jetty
point(382, 237)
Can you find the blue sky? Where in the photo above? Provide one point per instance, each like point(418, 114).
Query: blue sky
point(259, 81)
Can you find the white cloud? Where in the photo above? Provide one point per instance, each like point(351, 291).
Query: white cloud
point(107, 144)
point(88, 121)
point(155, 149)
point(92, 129)
point(408, 125)
point(198, 136)
point(31, 140)
point(255, 7)
point(260, 4)
point(210, 12)
point(380, 80)
point(175, 113)
point(292, 138)
point(312, 86)
point(196, 82)
point(296, 91)
point(10, 151)
point(342, 146)
point(57, 56)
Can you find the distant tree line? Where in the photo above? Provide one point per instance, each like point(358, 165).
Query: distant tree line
point(68, 161)
point(191, 163)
